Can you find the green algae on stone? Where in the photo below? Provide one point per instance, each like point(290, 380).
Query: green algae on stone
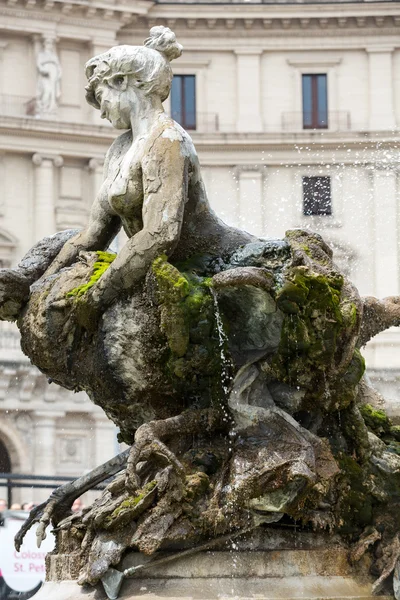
point(172, 288)
point(129, 508)
point(318, 321)
point(356, 504)
point(313, 320)
point(187, 320)
point(395, 432)
point(172, 285)
point(100, 266)
point(345, 385)
point(376, 419)
point(197, 485)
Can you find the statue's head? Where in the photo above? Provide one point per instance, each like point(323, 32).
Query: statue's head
point(119, 77)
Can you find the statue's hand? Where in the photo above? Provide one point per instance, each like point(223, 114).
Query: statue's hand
point(14, 293)
point(89, 309)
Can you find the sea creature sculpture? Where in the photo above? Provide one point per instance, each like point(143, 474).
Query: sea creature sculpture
point(230, 364)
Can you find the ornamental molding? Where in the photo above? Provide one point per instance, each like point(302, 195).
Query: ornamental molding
point(274, 18)
point(56, 159)
point(74, 13)
point(95, 164)
point(314, 62)
point(347, 37)
point(380, 49)
point(199, 18)
point(48, 130)
point(195, 62)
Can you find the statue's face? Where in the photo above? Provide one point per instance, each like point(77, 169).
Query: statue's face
point(117, 100)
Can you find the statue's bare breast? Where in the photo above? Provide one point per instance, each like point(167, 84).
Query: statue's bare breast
point(123, 187)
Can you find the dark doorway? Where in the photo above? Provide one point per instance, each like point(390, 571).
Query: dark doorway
point(5, 466)
point(5, 462)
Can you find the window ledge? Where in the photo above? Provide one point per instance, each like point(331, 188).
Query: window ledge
point(314, 62)
point(318, 221)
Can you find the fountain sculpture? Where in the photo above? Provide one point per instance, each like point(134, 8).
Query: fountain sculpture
point(230, 364)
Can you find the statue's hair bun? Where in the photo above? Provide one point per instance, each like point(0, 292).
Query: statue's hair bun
point(163, 40)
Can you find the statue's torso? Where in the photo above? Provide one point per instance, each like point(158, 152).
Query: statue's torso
point(123, 186)
point(122, 194)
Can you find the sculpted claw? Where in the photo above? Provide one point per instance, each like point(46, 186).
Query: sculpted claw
point(146, 444)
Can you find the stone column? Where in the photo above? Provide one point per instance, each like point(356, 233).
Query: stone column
point(2, 183)
point(381, 108)
point(45, 447)
point(44, 213)
point(106, 445)
point(96, 166)
point(251, 210)
point(386, 233)
point(248, 90)
point(98, 46)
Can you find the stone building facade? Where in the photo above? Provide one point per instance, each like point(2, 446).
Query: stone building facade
point(297, 114)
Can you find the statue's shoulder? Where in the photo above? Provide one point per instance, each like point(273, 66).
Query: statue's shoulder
point(119, 145)
point(168, 129)
point(123, 140)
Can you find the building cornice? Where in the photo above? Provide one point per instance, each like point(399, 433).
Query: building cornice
point(199, 18)
point(74, 12)
point(252, 17)
point(34, 129)
point(81, 137)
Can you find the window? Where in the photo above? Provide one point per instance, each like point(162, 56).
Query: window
point(183, 100)
point(317, 196)
point(315, 102)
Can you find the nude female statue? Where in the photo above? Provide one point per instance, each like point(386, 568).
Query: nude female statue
point(285, 301)
point(153, 189)
point(152, 181)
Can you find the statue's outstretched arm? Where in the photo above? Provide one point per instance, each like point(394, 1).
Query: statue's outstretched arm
point(102, 228)
point(378, 315)
point(165, 186)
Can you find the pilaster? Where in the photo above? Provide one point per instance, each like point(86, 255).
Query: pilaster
point(106, 445)
point(386, 233)
point(381, 94)
point(251, 210)
point(45, 216)
point(45, 446)
point(248, 67)
point(96, 167)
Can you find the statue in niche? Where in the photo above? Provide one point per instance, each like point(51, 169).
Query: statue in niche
point(230, 364)
point(48, 77)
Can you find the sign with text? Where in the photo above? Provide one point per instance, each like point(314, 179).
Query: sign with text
point(22, 571)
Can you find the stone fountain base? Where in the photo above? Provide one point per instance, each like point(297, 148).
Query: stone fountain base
point(263, 567)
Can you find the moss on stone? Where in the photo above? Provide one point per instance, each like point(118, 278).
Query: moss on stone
point(310, 302)
point(172, 285)
point(188, 322)
point(197, 485)
point(317, 322)
point(376, 419)
point(393, 446)
point(345, 385)
point(127, 506)
point(395, 432)
point(100, 266)
point(306, 249)
point(356, 505)
point(349, 313)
